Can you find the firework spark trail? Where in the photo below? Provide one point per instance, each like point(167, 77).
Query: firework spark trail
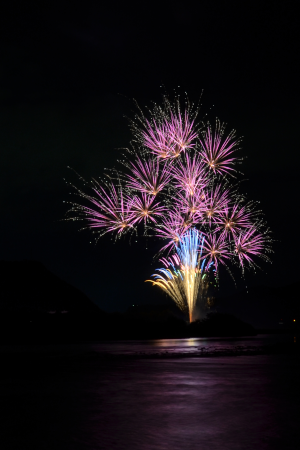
point(189, 175)
point(216, 250)
point(145, 208)
point(181, 133)
point(172, 227)
point(217, 200)
point(193, 206)
point(176, 181)
point(182, 283)
point(250, 243)
point(110, 209)
point(188, 250)
point(158, 140)
point(149, 176)
point(171, 283)
point(234, 218)
point(215, 152)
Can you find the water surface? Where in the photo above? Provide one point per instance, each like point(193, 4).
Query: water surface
point(153, 346)
point(81, 402)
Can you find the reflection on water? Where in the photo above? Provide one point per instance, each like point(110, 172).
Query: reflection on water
point(188, 345)
point(158, 346)
point(234, 403)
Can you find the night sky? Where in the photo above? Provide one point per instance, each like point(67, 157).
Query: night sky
point(68, 77)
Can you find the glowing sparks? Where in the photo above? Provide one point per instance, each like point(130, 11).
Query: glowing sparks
point(175, 133)
point(216, 201)
point(185, 273)
point(235, 218)
point(175, 184)
point(181, 133)
point(217, 149)
point(149, 175)
point(216, 250)
point(145, 208)
point(251, 243)
point(108, 210)
point(158, 140)
point(189, 175)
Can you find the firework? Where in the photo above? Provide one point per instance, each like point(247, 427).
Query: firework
point(234, 218)
point(149, 175)
point(185, 274)
point(251, 243)
point(181, 133)
point(145, 208)
point(108, 210)
point(216, 250)
point(217, 149)
point(192, 206)
point(176, 185)
point(189, 175)
point(158, 140)
point(172, 227)
point(216, 200)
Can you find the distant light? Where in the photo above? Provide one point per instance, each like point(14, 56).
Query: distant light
point(294, 320)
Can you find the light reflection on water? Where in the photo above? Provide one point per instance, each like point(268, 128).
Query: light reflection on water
point(154, 346)
point(231, 403)
point(188, 345)
point(234, 403)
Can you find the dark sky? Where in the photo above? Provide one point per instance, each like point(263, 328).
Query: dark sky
point(68, 75)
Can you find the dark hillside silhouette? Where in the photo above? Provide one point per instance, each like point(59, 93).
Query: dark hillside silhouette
point(28, 285)
point(37, 306)
point(264, 307)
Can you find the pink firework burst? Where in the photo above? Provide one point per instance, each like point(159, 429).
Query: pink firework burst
point(146, 209)
point(192, 205)
point(189, 174)
point(157, 139)
point(217, 149)
point(181, 133)
point(110, 210)
point(234, 218)
point(172, 227)
point(216, 250)
point(248, 244)
point(217, 199)
point(176, 178)
point(149, 176)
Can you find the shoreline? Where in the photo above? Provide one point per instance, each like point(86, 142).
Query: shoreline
point(280, 348)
